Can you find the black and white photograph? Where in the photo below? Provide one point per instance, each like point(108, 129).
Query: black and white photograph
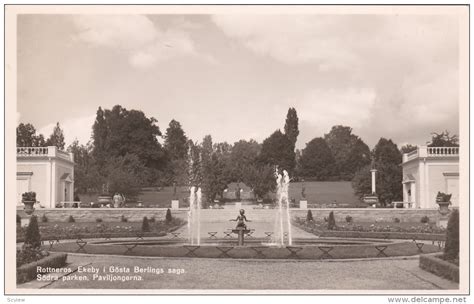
point(241, 149)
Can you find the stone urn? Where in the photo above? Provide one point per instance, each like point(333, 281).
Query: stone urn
point(29, 200)
point(443, 200)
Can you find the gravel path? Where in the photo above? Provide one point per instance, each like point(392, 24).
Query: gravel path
point(389, 274)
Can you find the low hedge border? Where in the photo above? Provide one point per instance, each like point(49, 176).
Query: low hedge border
point(434, 264)
point(29, 272)
point(385, 235)
point(84, 235)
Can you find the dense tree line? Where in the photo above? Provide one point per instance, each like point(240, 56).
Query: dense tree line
point(125, 154)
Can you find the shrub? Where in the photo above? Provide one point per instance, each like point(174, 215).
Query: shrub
point(451, 249)
point(123, 219)
point(98, 220)
point(44, 218)
point(349, 219)
point(331, 221)
point(29, 271)
point(425, 219)
point(309, 216)
point(32, 235)
point(152, 219)
point(169, 218)
point(18, 219)
point(396, 220)
point(71, 219)
point(145, 225)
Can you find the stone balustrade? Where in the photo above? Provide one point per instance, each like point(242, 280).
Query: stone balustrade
point(50, 151)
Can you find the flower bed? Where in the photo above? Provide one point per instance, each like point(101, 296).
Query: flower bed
point(29, 271)
point(418, 231)
point(434, 263)
point(53, 231)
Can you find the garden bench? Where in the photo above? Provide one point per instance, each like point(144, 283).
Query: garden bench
point(259, 250)
point(228, 234)
point(325, 250)
point(419, 246)
point(191, 250)
point(269, 234)
point(51, 243)
point(175, 235)
point(249, 234)
point(130, 247)
point(81, 243)
point(293, 252)
point(139, 235)
point(212, 235)
point(381, 250)
point(224, 251)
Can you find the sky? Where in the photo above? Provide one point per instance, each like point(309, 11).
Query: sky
point(235, 76)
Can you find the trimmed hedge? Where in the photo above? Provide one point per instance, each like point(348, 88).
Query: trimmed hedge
point(383, 235)
point(73, 236)
point(434, 264)
point(29, 272)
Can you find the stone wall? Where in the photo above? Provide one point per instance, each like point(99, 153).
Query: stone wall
point(137, 214)
point(371, 214)
point(106, 214)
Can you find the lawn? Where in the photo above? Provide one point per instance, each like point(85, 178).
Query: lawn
point(318, 194)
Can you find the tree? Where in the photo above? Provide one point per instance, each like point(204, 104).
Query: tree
point(26, 136)
point(317, 161)
point(125, 175)
point(119, 132)
point(443, 139)
point(261, 178)
point(408, 148)
point(349, 151)
point(176, 141)
point(277, 150)
point(291, 126)
point(56, 138)
point(243, 155)
point(451, 250)
point(214, 177)
point(87, 178)
point(32, 234)
point(387, 160)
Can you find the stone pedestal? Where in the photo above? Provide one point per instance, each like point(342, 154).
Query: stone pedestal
point(175, 204)
point(303, 204)
point(240, 233)
point(442, 221)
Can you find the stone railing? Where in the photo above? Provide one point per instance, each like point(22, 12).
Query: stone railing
point(443, 151)
point(50, 151)
point(424, 151)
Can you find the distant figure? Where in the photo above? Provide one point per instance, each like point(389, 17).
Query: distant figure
point(241, 219)
point(303, 191)
point(237, 192)
point(117, 199)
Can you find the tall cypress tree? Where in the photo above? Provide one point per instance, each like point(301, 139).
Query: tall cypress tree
point(291, 126)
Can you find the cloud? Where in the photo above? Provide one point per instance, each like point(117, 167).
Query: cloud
point(143, 42)
point(406, 65)
point(79, 128)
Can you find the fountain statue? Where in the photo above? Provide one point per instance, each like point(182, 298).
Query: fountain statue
point(241, 228)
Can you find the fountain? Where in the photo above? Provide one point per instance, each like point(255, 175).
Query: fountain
point(194, 216)
point(283, 182)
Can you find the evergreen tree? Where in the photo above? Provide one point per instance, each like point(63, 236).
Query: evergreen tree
point(176, 141)
point(291, 126)
point(451, 250)
point(32, 235)
point(56, 138)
